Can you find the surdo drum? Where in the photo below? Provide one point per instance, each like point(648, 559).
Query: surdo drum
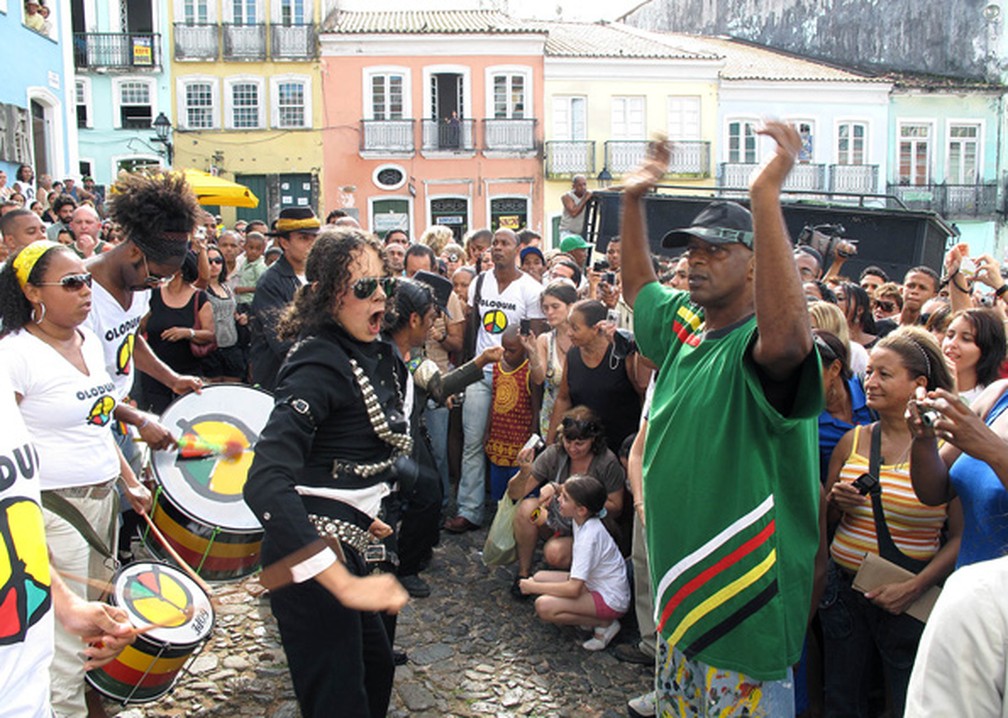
point(176, 617)
point(198, 502)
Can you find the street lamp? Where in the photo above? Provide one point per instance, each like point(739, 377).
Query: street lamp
point(605, 178)
point(162, 127)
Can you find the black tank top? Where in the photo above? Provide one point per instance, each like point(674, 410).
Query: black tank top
point(607, 391)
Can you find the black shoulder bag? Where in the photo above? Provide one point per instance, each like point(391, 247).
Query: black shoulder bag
point(473, 325)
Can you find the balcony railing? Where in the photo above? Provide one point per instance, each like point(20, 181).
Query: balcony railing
point(196, 42)
point(116, 50)
point(808, 177)
point(624, 156)
point(689, 157)
point(387, 135)
point(509, 135)
point(443, 136)
point(857, 179)
point(244, 42)
point(293, 42)
point(950, 200)
point(565, 158)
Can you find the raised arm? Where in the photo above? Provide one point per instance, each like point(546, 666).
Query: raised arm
point(785, 336)
point(636, 268)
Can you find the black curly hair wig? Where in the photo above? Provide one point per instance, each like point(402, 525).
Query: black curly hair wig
point(147, 206)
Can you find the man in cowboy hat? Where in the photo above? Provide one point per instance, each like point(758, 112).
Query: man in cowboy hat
point(295, 231)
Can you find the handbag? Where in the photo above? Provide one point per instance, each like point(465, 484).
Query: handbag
point(472, 326)
point(891, 564)
point(200, 351)
point(499, 548)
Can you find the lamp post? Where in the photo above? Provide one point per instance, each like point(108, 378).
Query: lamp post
point(162, 128)
point(605, 178)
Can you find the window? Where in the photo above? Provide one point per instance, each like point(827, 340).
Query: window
point(742, 141)
point(628, 118)
point(509, 96)
point(684, 118)
point(387, 97)
point(914, 153)
point(292, 12)
point(963, 153)
point(244, 103)
point(851, 143)
point(570, 117)
point(806, 130)
point(291, 100)
point(244, 12)
point(199, 106)
point(134, 108)
point(82, 98)
point(195, 12)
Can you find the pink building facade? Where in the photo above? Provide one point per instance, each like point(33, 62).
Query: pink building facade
point(433, 118)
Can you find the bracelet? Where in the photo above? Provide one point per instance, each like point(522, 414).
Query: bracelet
point(638, 504)
point(192, 333)
point(143, 423)
point(958, 286)
point(1001, 290)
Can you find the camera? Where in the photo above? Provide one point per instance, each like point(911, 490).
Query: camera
point(866, 484)
point(525, 327)
point(600, 265)
point(609, 277)
point(535, 442)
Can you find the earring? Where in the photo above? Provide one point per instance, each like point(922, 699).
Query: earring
point(41, 315)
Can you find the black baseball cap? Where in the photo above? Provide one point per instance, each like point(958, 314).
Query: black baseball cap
point(720, 222)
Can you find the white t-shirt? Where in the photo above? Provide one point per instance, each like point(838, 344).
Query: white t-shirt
point(67, 412)
point(499, 310)
point(26, 618)
point(961, 667)
point(116, 328)
point(596, 560)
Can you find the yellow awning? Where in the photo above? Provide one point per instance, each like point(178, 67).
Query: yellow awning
point(211, 190)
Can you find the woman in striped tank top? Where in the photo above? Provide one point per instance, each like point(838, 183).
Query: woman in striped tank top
point(856, 624)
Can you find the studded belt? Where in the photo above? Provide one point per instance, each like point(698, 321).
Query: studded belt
point(360, 540)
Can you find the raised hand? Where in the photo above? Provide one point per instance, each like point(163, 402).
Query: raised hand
point(651, 170)
point(772, 175)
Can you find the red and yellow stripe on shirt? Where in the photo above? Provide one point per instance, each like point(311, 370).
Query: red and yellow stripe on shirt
point(914, 527)
point(686, 326)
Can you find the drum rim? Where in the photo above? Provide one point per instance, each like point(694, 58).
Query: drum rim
point(151, 636)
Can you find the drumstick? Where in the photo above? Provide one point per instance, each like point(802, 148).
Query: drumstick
point(174, 554)
point(104, 586)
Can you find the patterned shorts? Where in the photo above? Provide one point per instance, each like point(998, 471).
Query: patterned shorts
point(691, 689)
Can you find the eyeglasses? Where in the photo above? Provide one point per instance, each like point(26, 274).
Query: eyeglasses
point(71, 282)
point(217, 260)
point(152, 280)
point(886, 306)
point(708, 250)
point(366, 286)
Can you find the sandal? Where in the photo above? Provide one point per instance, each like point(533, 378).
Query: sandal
point(603, 636)
point(516, 589)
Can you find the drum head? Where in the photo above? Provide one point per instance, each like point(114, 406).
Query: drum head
point(210, 489)
point(156, 594)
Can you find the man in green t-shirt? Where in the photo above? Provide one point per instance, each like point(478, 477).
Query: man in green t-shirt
point(731, 488)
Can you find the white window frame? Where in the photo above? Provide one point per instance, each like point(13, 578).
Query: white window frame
point(981, 132)
point(275, 82)
point(182, 112)
point(211, 6)
point(432, 197)
point(117, 84)
point(93, 165)
point(563, 130)
point(370, 72)
point(670, 113)
point(616, 100)
point(932, 138)
point(384, 198)
point(229, 84)
point(508, 195)
point(276, 12)
point(390, 188)
point(796, 122)
point(528, 109)
point(465, 71)
point(260, 17)
point(755, 122)
point(851, 122)
point(85, 83)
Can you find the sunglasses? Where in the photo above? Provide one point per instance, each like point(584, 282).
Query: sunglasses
point(71, 282)
point(217, 260)
point(152, 280)
point(886, 306)
point(366, 286)
point(577, 429)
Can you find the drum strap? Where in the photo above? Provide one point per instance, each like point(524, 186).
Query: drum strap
point(69, 513)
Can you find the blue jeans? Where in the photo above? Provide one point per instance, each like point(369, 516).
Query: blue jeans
point(853, 628)
point(475, 414)
point(436, 418)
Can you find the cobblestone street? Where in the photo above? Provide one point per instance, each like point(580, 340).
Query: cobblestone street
point(474, 651)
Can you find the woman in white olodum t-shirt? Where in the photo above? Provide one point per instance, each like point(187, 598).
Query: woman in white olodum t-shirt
point(57, 371)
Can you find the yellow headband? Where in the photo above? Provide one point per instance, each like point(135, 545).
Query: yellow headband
point(29, 256)
point(293, 225)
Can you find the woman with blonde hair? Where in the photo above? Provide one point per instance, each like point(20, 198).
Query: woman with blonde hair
point(830, 318)
point(436, 237)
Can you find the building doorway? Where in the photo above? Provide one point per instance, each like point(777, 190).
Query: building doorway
point(453, 213)
point(509, 212)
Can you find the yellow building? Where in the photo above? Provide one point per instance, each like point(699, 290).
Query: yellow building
point(609, 88)
point(247, 97)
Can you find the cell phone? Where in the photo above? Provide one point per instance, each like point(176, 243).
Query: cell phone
point(612, 316)
point(865, 483)
point(534, 442)
point(600, 265)
point(609, 277)
point(525, 327)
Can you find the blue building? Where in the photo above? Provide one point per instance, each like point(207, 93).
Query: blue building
point(37, 126)
point(120, 85)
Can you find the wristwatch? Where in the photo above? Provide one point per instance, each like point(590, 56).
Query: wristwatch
point(192, 333)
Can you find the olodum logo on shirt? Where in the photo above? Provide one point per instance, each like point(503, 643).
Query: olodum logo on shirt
point(101, 411)
point(124, 355)
point(495, 321)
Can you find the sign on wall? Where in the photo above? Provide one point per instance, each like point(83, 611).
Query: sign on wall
point(15, 134)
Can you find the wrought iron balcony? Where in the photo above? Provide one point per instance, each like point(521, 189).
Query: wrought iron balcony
point(950, 200)
point(689, 158)
point(566, 158)
point(196, 42)
point(856, 179)
point(387, 136)
point(808, 177)
point(293, 42)
point(244, 42)
point(509, 135)
point(444, 136)
point(116, 50)
point(624, 156)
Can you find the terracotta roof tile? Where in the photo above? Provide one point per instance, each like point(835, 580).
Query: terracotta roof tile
point(425, 21)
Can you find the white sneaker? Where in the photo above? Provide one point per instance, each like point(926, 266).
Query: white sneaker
point(602, 637)
point(642, 706)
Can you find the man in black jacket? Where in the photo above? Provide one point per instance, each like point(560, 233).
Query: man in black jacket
point(295, 231)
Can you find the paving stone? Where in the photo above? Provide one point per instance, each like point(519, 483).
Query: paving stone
point(415, 696)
